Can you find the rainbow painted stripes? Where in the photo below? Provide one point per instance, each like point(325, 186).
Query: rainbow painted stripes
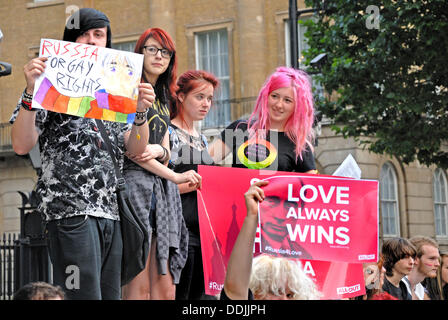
point(103, 106)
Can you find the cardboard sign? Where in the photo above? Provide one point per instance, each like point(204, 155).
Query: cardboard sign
point(88, 81)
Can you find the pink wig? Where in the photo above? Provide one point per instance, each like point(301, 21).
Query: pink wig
point(299, 127)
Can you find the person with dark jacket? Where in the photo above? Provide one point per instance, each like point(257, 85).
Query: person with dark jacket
point(399, 255)
point(78, 183)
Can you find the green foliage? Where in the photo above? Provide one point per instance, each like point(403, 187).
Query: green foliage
point(391, 82)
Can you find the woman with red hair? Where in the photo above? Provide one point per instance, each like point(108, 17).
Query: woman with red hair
point(194, 97)
point(152, 185)
point(279, 133)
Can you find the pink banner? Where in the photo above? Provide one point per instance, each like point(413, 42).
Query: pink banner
point(320, 218)
point(221, 214)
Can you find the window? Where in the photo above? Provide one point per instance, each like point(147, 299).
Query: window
point(301, 42)
point(212, 55)
point(303, 46)
point(46, 3)
point(124, 46)
point(440, 203)
point(389, 200)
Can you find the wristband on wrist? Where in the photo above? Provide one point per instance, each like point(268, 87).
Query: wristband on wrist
point(140, 115)
point(27, 100)
point(26, 96)
point(139, 124)
point(163, 158)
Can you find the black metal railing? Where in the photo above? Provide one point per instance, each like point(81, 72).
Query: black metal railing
point(5, 137)
point(24, 257)
point(33, 262)
point(9, 251)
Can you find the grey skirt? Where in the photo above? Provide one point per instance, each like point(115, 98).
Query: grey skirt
point(157, 202)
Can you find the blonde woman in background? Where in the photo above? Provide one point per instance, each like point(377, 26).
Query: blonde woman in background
point(265, 277)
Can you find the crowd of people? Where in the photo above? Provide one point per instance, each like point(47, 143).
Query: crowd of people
point(159, 154)
point(413, 269)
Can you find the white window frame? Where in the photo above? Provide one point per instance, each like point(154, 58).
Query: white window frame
point(301, 41)
point(219, 106)
point(440, 197)
point(44, 3)
point(388, 171)
point(119, 45)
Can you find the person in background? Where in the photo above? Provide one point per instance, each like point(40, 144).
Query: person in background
point(279, 133)
point(383, 296)
point(437, 288)
point(373, 279)
point(279, 278)
point(39, 291)
point(374, 274)
point(264, 277)
point(78, 183)
point(426, 265)
point(152, 185)
point(194, 97)
point(399, 255)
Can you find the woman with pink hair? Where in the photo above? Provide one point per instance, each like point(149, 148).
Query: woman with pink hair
point(278, 134)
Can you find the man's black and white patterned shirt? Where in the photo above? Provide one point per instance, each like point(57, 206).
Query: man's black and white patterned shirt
point(78, 174)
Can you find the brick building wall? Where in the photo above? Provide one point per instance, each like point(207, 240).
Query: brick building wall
point(255, 31)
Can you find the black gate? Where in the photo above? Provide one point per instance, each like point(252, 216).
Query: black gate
point(24, 257)
point(9, 250)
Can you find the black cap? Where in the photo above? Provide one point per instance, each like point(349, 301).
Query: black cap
point(88, 19)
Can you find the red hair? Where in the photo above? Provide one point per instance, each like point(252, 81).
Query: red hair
point(189, 81)
point(166, 80)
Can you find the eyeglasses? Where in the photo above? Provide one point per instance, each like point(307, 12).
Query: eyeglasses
point(154, 50)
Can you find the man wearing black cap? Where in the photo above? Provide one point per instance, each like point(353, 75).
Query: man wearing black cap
point(77, 185)
point(89, 20)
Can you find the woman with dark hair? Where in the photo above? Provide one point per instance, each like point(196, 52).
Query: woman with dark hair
point(194, 97)
point(152, 185)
